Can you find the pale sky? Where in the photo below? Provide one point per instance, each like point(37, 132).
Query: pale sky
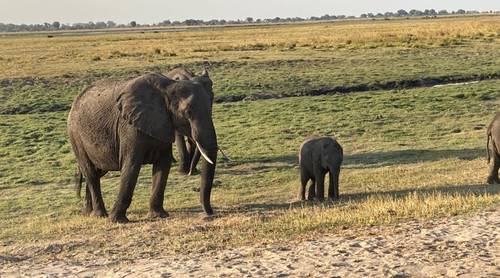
point(153, 11)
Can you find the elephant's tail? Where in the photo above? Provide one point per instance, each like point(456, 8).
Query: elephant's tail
point(493, 145)
point(488, 146)
point(78, 183)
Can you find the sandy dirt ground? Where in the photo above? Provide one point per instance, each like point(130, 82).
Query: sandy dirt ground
point(463, 246)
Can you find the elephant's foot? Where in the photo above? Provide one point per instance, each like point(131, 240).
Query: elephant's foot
point(333, 199)
point(209, 211)
point(492, 180)
point(86, 210)
point(118, 218)
point(99, 213)
point(157, 213)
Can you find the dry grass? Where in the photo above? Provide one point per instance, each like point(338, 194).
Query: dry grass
point(42, 56)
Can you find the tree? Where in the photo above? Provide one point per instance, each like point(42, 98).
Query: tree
point(56, 24)
point(363, 16)
point(443, 12)
point(133, 23)
point(388, 14)
point(415, 12)
point(460, 11)
point(100, 25)
point(110, 24)
point(402, 13)
point(249, 19)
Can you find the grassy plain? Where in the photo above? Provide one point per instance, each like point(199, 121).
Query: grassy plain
point(412, 153)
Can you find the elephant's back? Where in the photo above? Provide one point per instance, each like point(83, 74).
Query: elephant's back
point(313, 142)
point(494, 125)
point(306, 147)
point(94, 112)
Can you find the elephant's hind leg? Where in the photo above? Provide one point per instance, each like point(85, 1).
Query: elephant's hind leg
point(94, 204)
point(98, 208)
point(311, 194)
point(304, 178)
point(494, 166)
point(333, 186)
point(161, 170)
point(320, 185)
point(87, 209)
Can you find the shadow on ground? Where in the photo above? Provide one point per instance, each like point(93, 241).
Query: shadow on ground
point(359, 197)
point(354, 161)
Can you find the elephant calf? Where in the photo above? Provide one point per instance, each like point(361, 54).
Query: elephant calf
point(318, 156)
point(493, 141)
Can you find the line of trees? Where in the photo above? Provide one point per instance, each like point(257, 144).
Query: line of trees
point(56, 25)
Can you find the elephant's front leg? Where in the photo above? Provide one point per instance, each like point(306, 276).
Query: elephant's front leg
point(184, 154)
point(161, 169)
point(129, 174)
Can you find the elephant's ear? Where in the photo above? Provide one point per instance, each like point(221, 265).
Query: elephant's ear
point(143, 104)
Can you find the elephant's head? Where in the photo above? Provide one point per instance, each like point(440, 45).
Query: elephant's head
point(159, 106)
point(191, 107)
point(181, 73)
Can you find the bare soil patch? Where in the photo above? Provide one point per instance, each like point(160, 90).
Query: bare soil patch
point(465, 246)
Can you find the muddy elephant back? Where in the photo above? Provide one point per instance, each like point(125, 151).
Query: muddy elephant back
point(494, 124)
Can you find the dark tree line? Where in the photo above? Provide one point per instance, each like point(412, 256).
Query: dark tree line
point(56, 25)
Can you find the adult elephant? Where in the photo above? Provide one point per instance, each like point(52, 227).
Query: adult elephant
point(122, 126)
point(189, 155)
point(493, 143)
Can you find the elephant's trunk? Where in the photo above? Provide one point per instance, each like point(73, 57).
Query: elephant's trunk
point(206, 140)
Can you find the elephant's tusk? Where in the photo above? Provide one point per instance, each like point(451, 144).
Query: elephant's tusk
point(203, 153)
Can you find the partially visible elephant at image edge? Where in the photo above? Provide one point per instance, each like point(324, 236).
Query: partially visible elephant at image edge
point(493, 142)
point(318, 156)
point(121, 126)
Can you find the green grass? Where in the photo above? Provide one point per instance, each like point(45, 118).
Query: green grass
point(39, 74)
point(409, 154)
point(345, 68)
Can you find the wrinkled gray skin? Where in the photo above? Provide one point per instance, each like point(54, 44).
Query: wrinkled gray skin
point(121, 126)
point(493, 142)
point(189, 155)
point(318, 156)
